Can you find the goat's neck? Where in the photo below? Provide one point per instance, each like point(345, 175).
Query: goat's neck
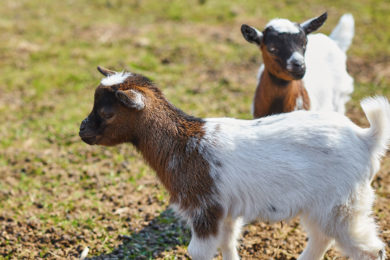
point(170, 143)
point(274, 95)
point(278, 82)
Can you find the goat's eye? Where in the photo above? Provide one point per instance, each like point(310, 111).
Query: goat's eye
point(272, 50)
point(106, 114)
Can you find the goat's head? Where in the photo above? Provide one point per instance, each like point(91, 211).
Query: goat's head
point(283, 45)
point(119, 105)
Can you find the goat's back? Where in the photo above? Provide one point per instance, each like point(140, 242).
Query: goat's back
point(327, 81)
point(285, 162)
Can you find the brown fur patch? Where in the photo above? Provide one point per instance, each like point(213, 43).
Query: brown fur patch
point(272, 99)
point(206, 223)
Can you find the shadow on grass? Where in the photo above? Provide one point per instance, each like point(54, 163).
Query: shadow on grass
point(163, 233)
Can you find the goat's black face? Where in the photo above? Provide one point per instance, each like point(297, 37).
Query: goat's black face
point(283, 45)
point(287, 51)
point(117, 109)
point(114, 117)
point(94, 127)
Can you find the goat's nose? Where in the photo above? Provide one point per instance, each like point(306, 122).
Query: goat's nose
point(298, 64)
point(83, 125)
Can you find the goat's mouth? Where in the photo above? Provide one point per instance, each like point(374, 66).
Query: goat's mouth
point(91, 139)
point(297, 74)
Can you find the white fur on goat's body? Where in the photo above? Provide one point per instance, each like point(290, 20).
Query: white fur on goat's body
point(264, 161)
point(326, 80)
point(317, 165)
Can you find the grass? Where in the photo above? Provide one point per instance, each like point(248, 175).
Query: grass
point(192, 49)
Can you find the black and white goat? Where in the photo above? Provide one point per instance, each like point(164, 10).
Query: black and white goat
point(294, 77)
point(222, 172)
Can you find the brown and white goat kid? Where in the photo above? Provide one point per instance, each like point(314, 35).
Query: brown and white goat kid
point(222, 172)
point(293, 78)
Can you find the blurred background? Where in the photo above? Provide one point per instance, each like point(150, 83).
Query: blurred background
point(58, 195)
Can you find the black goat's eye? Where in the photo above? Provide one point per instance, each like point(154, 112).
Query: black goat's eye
point(107, 116)
point(272, 50)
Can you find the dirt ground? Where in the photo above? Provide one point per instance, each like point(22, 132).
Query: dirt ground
point(152, 230)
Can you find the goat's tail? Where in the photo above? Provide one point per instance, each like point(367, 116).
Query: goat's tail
point(377, 111)
point(344, 31)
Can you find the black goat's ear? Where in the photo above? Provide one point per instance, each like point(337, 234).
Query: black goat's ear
point(313, 24)
point(131, 98)
point(105, 72)
point(251, 34)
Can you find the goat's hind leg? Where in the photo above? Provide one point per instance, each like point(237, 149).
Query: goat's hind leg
point(359, 240)
point(356, 231)
point(318, 242)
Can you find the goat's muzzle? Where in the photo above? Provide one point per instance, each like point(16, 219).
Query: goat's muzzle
point(297, 70)
point(296, 65)
point(85, 134)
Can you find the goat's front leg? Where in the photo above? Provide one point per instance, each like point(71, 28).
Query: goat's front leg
point(206, 224)
point(230, 231)
point(203, 248)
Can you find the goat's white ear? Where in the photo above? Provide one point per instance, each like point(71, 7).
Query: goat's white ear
point(131, 98)
point(313, 24)
point(251, 34)
point(105, 72)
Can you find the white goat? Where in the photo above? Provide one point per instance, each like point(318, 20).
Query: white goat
point(222, 172)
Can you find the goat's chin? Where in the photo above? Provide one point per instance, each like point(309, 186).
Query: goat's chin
point(298, 75)
point(98, 140)
point(107, 142)
point(91, 140)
